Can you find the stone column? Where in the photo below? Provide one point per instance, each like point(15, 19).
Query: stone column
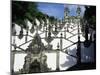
point(79, 44)
point(12, 61)
point(43, 28)
point(26, 34)
point(78, 47)
point(65, 32)
point(36, 29)
point(46, 33)
point(57, 58)
point(61, 42)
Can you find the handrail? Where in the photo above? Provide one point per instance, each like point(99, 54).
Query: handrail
point(24, 43)
point(69, 46)
point(17, 47)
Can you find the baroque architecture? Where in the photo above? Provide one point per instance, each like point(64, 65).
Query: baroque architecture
point(35, 60)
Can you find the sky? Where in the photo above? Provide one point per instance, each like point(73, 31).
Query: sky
point(53, 9)
point(57, 10)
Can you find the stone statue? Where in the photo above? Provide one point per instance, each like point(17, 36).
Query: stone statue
point(35, 60)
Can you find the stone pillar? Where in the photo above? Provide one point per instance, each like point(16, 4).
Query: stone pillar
point(86, 31)
point(14, 40)
point(61, 42)
point(57, 58)
point(12, 52)
point(46, 33)
point(43, 28)
point(79, 44)
point(49, 31)
point(68, 26)
point(26, 34)
point(65, 33)
point(78, 47)
point(36, 29)
point(12, 61)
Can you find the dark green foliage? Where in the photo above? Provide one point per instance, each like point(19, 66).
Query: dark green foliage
point(52, 19)
point(89, 22)
point(22, 11)
point(90, 16)
point(28, 10)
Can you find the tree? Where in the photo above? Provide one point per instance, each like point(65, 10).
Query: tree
point(90, 16)
point(22, 11)
point(89, 22)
